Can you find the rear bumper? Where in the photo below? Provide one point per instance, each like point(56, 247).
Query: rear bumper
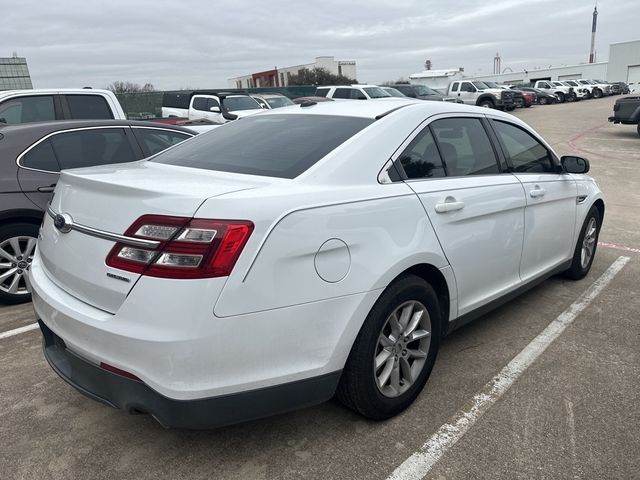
point(134, 396)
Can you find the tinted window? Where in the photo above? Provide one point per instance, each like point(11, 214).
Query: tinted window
point(465, 147)
point(421, 158)
point(342, 93)
point(277, 102)
point(200, 103)
point(321, 92)
point(376, 92)
point(524, 151)
point(234, 104)
point(37, 108)
point(271, 145)
point(467, 87)
point(157, 140)
point(87, 148)
point(455, 87)
point(41, 157)
point(88, 107)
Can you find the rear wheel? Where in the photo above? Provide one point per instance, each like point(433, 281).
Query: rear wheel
point(543, 100)
point(561, 97)
point(393, 355)
point(486, 103)
point(570, 97)
point(586, 247)
point(597, 93)
point(17, 245)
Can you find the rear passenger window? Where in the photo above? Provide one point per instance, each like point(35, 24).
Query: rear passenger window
point(36, 108)
point(525, 152)
point(88, 107)
point(321, 92)
point(200, 103)
point(41, 157)
point(465, 147)
point(342, 93)
point(421, 158)
point(357, 95)
point(88, 148)
point(157, 140)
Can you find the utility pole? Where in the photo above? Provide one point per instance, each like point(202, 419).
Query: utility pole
point(592, 56)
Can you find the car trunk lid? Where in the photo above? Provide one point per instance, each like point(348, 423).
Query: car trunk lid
point(107, 200)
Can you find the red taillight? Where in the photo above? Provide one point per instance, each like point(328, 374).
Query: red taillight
point(188, 248)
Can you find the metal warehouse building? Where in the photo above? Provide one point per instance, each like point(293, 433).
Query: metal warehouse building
point(14, 73)
point(623, 66)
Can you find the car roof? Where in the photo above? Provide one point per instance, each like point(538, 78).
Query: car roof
point(51, 91)
point(268, 95)
point(377, 108)
point(44, 128)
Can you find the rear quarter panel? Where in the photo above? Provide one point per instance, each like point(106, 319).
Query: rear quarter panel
point(371, 237)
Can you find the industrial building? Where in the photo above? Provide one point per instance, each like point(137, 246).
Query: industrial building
point(278, 77)
point(623, 66)
point(14, 73)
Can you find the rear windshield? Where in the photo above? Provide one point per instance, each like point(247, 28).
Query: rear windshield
point(269, 145)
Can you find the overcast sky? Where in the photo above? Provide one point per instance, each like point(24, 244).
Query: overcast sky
point(202, 43)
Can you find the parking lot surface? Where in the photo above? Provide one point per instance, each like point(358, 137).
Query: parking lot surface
point(574, 413)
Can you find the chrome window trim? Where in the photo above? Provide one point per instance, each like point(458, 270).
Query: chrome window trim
point(114, 237)
point(78, 129)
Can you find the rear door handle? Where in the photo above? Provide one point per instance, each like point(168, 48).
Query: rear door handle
point(450, 204)
point(537, 192)
point(48, 189)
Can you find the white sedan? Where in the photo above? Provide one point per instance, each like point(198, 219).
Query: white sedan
point(311, 251)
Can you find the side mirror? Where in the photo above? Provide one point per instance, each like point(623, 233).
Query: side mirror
point(572, 164)
point(215, 109)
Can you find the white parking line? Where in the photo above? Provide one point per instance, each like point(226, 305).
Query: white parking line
point(18, 331)
point(421, 462)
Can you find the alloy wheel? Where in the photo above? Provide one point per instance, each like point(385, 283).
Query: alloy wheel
point(589, 243)
point(402, 349)
point(16, 254)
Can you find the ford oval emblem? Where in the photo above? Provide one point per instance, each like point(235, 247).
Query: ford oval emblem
point(63, 222)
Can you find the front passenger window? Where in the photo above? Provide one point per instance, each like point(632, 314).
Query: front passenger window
point(525, 152)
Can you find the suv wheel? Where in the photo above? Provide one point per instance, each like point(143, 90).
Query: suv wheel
point(561, 97)
point(486, 103)
point(597, 93)
point(17, 245)
point(393, 355)
point(570, 97)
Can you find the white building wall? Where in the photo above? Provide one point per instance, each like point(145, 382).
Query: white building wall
point(624, 62)
point(583, 70)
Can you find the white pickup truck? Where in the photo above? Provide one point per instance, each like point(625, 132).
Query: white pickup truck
point(563, 92)
point(480, 94)
point(214, 106)
point(40, 105)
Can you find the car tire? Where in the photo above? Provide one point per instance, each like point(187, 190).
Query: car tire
point(543, 100)
point(561, 97)
point(639, 128)
point(17, 246)
point(406, 364)
point(570, 97)
point(585, 250)
point(511, 108)
point(486, 103)
point(597, 93)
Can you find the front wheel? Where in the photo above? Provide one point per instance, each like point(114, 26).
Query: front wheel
point(597, 93)
point(393, 355)
point(543, 100)
point(17, 245)
point(638, 128)
point(585, 249)
point(571, 97)
point(561, 97)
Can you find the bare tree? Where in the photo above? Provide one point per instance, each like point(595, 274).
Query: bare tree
point(130, 87)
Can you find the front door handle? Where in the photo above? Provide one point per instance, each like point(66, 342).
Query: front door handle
point(450, 204)
point(537, 192)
